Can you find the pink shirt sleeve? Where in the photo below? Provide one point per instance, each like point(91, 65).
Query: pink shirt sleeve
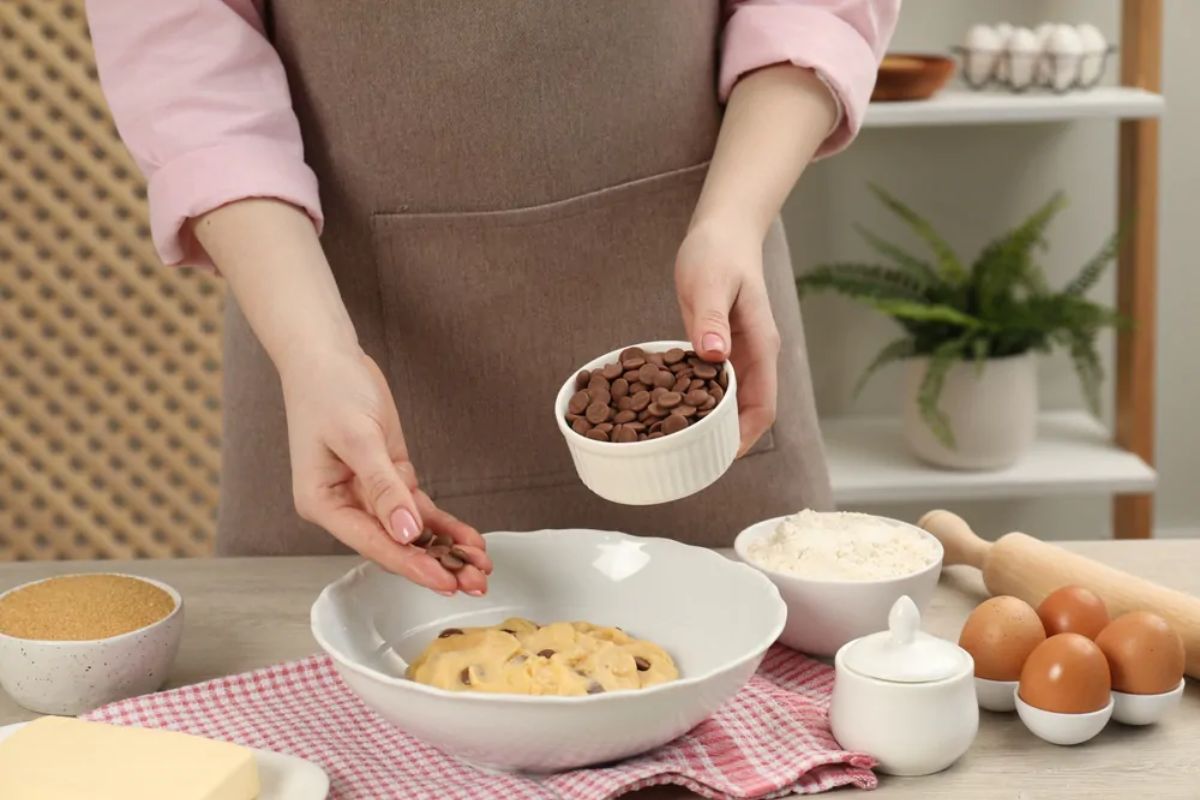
point(201, 100)
point(843, 41)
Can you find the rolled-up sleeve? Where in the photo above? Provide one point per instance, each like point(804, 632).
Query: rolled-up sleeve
point(201, 100)
point(842, 41)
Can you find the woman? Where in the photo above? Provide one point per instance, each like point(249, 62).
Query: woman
point(503, 189)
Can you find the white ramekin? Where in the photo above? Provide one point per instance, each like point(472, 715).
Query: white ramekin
point(655, 470)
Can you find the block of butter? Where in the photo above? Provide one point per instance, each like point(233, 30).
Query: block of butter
point(59, 758)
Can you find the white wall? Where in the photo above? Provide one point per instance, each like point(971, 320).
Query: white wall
point(974, 182)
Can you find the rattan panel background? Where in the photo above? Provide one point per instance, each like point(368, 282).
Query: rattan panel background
point(109, 415)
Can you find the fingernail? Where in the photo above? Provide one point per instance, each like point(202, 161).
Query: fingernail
point(712, 341)
point(444, 594)
point(475, 592)
point(404, 527)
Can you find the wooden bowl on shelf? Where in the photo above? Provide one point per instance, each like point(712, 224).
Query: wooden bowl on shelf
point(911, 76)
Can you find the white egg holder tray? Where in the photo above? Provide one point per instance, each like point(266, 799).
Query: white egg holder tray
point(1021, 71)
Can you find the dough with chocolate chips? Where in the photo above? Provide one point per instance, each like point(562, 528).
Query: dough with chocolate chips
point(520, 657)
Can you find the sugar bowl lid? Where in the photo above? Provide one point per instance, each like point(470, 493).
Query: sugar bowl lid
point(905, 654)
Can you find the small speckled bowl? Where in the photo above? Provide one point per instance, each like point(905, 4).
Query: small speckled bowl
point(73, 677)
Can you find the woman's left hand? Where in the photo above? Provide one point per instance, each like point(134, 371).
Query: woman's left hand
point(719, 280)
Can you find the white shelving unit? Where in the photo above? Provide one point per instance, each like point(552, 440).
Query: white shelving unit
point(1074, 453)
point(964, 107)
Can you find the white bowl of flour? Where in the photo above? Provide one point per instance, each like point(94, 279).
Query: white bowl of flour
point(840, 572)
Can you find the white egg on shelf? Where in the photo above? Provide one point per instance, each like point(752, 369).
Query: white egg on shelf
point(1065, 51)
point(1094, 47)
point(1004, 31)
point(1023, 57)
point(982, 49)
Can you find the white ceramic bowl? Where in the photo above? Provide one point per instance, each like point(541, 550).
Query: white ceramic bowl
point(1064, 729)
point(1145, 709)
point(72, 677)
point(658, 470)
point(996, 695)
point(714, 616)
point(825, 614)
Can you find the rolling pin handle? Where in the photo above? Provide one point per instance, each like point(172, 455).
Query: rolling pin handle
point(961, 544)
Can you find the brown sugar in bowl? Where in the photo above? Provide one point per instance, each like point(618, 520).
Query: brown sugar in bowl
point(71, 643)
point(911, 76)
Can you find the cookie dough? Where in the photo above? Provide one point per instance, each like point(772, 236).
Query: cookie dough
point(521, 657)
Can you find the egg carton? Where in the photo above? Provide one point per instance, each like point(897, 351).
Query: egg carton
point(1022, 71)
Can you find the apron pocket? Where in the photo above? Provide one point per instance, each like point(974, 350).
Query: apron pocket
point(487, 312)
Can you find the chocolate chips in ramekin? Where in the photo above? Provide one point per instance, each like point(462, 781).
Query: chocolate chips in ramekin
point(442, 549)
point(644, 395)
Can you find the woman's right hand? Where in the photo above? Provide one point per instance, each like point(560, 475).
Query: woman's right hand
point(352, 476)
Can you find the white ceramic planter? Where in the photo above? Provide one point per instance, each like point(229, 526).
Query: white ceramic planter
point(992, 412)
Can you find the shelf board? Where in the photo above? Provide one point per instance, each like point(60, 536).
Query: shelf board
point(1074, 454)
point(964, 107)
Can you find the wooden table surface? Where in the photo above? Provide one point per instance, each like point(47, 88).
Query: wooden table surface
point(247, 613)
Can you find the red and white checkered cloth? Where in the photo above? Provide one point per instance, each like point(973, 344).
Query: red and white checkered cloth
point(772, 739)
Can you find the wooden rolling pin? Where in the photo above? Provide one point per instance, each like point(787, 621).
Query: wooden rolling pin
point(1028, 568)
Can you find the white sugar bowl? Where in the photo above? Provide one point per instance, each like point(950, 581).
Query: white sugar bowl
point(905, 697)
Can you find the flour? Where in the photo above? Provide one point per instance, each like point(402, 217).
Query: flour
point(844, 546)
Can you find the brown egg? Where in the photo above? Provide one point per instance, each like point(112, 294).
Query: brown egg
point(999, 635)
point(1073, 609)
point(1067, 674)
point(1145, 654)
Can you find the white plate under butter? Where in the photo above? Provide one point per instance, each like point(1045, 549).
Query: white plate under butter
point(282, 777)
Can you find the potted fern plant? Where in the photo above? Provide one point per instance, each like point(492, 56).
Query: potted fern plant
point(970, 333)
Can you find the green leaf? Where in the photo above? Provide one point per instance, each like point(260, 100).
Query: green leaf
point(930, 390)
point(1089, 369)
point(896, 350)
point(1006, 264)
point(862, 282)
point(979, 352)
point(1094, 267)
point(905, 260)
point(949, 265)
point(923, 312)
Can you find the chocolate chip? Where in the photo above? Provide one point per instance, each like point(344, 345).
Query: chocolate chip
point(640, 400)
point(647, 374)
point(638, 386)
point(545, 653)
point(598, 381)
point(459, 552)
point(619, 388)
point(595, 688)
point(581, 380)
point(442, 540)
point(664, 379)
point(704, 370)
point(452, 562)
point(669, 399)
point(641, 663)
point(637, 362)
point(681, 384)
point(424, 539)
point(436, 551)
point(605, 427)
point(683, 411)
point(626, 435)
point(598, 435)
point(598, 395)
point(465, 676)
point(636, 427)
point(696, 384)
point(578, 402)
point(624, 403)
point(446, 634)
point(657, 392)
point(611, 371)
point(673, 356)
point(697, 398)
point(656, 359)
point(598, 412)
point(674, 424)
point(581, 426)
point(677, 368)
point(723, 379)
point(657, 411)
point(631, 352)
point(717, 393)
point(655, 435)
point(629, 415)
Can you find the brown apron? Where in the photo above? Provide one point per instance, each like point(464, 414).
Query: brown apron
point(506, 184)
